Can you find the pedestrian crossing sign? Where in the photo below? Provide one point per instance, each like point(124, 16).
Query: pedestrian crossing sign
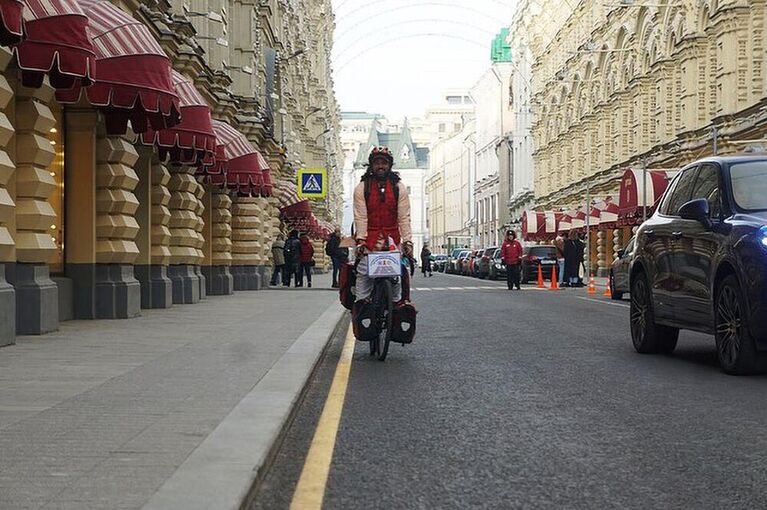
point(312, 183)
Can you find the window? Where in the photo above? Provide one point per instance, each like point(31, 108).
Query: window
point(453, 99)
point(749, 185)
point(680, 195)
point(441, 127)
point(707, 186)
point(457, 126)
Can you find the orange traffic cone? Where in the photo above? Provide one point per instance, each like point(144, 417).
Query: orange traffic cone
point(554, 285)
point(609, 290)
point(541, 283)
point(592, 285)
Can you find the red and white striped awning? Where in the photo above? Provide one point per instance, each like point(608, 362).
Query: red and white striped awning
point(56, 43)
point(11, 22)
point(192, 141)
point(578, 220)
point(266, 176)
point(533, 225)
point(565, 222)
point(635, 197)
point(132, 79)
point(286, 193)
point(243, 167)
point(552, 224)
point(608, 213)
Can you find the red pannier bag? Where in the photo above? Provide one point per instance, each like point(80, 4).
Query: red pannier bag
point(346, 280)
point(403, 323)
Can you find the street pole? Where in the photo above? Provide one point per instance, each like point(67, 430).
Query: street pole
point(588, 231)
point(644, 191)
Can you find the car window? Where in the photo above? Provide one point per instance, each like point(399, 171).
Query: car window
point(489, 252)
point(680, 195)
point(707, 186)
point(663, 207)
point(630, 246)
point(749, 185)
point(543, 252)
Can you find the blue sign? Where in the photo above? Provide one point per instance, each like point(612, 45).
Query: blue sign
point(312, 183)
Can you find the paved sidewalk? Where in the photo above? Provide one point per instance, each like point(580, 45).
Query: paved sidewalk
point(102, 414)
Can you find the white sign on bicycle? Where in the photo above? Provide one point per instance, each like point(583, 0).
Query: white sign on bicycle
point(384, 264)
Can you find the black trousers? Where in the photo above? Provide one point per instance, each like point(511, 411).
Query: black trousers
point(289, 271)
point(512, 275)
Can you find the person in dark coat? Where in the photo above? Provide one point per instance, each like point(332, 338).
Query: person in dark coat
point(580, 250)
point(333, 250)
point(572, 262)
point(426, 260)
point(292, 258)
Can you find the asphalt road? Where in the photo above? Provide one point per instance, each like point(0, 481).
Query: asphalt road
point(532, 399)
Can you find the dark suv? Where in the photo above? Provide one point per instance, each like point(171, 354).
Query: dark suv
point(700, 263)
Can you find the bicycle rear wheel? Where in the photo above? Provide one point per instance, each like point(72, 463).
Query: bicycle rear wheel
point(386, 316)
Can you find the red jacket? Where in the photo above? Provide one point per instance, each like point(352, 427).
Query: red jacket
point(382, 215)
point(307, 250)
point(511, 252)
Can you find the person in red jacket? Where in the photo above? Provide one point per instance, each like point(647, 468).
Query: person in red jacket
point(511, 254)
point(307, 261)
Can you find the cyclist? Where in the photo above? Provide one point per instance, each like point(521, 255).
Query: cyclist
point(381, 214)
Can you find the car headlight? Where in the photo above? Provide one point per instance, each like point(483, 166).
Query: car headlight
point(761, 235)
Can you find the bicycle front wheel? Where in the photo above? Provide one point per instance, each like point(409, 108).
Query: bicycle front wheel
point(386, 318)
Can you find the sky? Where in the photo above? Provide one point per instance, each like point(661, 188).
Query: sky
point(397, 57)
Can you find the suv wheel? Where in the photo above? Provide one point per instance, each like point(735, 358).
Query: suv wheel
point(734, 345)
point(647, 336)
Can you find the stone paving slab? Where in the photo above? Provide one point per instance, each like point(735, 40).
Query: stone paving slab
point(102, 413)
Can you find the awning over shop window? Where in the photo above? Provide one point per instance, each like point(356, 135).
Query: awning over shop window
point(608, 214)
point(565, 222)
point(302, 209)
point(578, 221)
point(56, 43)
point(243, 168)
point(635, 198)
point(192, 141)
point(266, 176)
point(132, 80)
point(286, 193)
point(11, 25)
point(533, 225)
point(552, 224)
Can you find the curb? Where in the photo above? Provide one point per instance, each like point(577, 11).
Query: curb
point(226, 467)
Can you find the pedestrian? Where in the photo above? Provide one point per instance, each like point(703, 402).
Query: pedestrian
point(511, 254)
point(292, 258)
point(278, 257)
point(307, 261)
point(333, 250)
point(572, 263)
point(426, 260)
point(559, 244)
point(580, 251)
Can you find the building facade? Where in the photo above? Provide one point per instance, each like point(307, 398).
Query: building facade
point(448, 191)
point(143, 149)
point(643, 86)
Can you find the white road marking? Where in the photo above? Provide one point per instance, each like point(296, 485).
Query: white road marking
point(456, 288)
point(602, 302)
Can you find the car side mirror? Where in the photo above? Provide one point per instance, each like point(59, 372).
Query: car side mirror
point(697, 210)
point(621, 253)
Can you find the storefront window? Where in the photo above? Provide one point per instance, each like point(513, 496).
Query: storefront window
point(56, 168)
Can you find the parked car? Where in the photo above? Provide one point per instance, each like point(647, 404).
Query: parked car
point(485, 262)
point(533, 256)
point(438, 263)
point(619, 271)
point(497, 269)
point(452, 261)
point(468, 263)
point(460, 261)
point(700, 263)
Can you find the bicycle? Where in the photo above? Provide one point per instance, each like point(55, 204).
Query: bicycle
point(382, 299)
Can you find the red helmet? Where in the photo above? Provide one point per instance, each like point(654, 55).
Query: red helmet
point(381, 152)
